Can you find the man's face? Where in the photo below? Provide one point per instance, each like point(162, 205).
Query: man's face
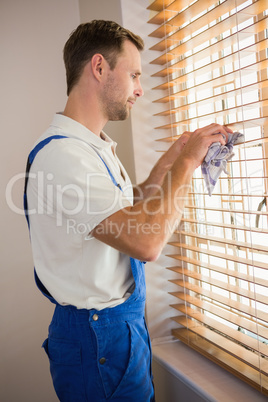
point(122, 86)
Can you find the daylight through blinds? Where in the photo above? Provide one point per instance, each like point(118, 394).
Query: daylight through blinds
point(212, 62)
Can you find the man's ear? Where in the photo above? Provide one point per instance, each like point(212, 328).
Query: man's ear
point(97, 65)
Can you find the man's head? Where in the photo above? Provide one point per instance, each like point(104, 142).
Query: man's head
point(98, 36)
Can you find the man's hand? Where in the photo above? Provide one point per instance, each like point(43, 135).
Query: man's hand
point(200, 140)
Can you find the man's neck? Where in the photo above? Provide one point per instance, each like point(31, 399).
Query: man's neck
point(85, 112)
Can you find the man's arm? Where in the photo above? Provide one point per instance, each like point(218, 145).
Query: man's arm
point(156, 178)
point(142, 230)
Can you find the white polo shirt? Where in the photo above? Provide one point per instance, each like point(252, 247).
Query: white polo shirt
point(69, 193)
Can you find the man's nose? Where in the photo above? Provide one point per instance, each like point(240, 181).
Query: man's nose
point(138, 91)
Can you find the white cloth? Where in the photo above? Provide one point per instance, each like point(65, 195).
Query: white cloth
point(69, 193)
point(216, 159)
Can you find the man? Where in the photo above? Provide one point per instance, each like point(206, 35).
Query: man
point(90, 230)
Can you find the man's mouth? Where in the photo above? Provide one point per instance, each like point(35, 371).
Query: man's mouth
point(132, 101)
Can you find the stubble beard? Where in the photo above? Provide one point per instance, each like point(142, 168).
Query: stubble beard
point(114, 109)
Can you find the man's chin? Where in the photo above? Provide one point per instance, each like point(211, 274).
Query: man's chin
point(121, 117)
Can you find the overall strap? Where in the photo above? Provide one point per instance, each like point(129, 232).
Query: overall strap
point(30, 160)
point(31, 157)
point(110, 173)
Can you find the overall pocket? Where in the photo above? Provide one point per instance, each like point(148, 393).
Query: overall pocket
point(66, 369)
point(113, 354)
point(124, 357)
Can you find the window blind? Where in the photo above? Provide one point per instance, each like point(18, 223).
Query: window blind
point(213, 64)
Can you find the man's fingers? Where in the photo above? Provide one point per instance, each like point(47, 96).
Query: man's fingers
point(215, 129)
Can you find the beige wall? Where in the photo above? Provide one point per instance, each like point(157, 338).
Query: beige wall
point(118, 131)
point(32, 88)
point(135, 17)
point(32, 35)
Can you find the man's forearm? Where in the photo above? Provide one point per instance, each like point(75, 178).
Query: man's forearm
point(162, 209)
point(157, 175)
point(147, 225)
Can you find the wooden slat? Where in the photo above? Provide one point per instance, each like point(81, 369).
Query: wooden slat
point(169, 29)
point(216, 254)
point(179, 71)
point(261, 315)
point(218, 82)
point(236, 126)
point(162, 15)
point(223, 114)
point(234, 318)
point(177, 6)
point(177, 17)
point(168, 11)
point(235, 289)
point(230, 242)
point(230, 210)
point(184, 119)
point(226, 344)
point(184, 104)
point(232, 197)
point(213, 31)
point(229, 272)
point(225, 225)
point(233, 334)
point(183, 90)
point(210, 66)
point(224, 359)
point(223, 98)
point(158, 5)
point(247, 144)
point(222, 43)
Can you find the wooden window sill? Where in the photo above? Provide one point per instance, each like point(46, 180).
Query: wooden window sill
point(196, 376)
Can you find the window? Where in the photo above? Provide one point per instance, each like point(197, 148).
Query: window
point(213, 65)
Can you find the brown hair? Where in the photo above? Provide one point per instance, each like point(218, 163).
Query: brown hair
point(97, 36)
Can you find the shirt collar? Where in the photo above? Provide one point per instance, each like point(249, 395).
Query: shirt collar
point(74, 129)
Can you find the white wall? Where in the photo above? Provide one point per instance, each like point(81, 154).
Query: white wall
point(135, 16)
point(119, 131)
point(32, 82)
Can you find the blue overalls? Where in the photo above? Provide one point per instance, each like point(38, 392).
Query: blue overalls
point(99, 355)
